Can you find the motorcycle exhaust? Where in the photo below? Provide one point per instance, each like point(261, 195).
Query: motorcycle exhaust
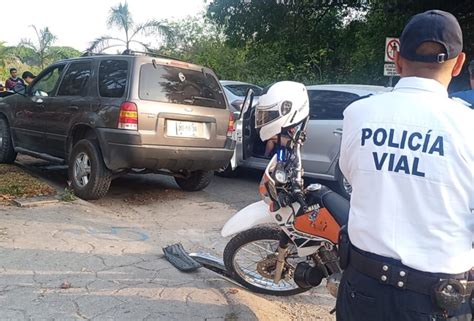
point(307, 276)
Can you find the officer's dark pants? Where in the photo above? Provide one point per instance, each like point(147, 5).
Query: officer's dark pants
point(362, 298)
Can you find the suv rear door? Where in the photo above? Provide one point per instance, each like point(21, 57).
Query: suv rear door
point(322, 147)
point(181, 105)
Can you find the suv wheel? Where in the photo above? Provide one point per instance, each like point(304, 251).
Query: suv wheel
point(88, 174)
point(343, 186)
point(7, 152)
point(197, 181)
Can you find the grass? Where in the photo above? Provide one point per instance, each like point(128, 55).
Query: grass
point(68, 195)
point(16, 183)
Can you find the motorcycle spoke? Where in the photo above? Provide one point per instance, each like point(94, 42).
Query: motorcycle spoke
point(248, 266)
point(263, 248)
point(251, 254)
point(259, 249)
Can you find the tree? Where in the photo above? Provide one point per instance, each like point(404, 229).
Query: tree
point(324, 41)
point(200, 41)
point(40, 49)
point(300, 38)
point(121, 18)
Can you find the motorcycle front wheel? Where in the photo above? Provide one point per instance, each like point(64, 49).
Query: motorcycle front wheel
point(250, 257)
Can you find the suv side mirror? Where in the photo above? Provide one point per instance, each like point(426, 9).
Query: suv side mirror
point(248, 102)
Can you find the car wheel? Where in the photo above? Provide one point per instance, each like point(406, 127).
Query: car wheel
point(197, 181)
point(343, 186)
point(90, 178)
point(7, 152)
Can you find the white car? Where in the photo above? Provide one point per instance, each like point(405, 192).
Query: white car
point(321, 150)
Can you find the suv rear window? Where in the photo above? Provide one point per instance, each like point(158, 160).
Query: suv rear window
point(329, 104)
point(180, 86)
point(113, 78)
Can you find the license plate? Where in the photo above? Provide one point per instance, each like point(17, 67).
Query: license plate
point(184, 129)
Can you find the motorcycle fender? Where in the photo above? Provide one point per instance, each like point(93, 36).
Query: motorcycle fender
point(248, 217)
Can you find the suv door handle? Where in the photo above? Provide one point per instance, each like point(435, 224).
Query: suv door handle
point(39, 101)
point(73, 108)
point(337, 131)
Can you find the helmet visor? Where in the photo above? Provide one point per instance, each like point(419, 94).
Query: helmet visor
point(265, 116)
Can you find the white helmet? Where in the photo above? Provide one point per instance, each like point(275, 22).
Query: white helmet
point(283, 105)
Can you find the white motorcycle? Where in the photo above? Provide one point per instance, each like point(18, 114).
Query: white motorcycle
point(287, 243)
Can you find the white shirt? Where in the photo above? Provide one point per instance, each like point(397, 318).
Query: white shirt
point(409, 155)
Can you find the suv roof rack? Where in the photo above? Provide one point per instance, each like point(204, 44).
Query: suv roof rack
point(88, 53)
point(148, 53)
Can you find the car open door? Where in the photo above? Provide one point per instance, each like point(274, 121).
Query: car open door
point(248, 125)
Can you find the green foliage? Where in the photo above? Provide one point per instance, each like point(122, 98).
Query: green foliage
point(263, 41)
point(40, 52)
point(68, 195)
point(323, 41)
point(25, 59)
point(31, 55)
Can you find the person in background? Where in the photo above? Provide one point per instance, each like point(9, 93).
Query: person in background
point(467, 95)
point(28, 77)
point(272, 142)
point(13, 81)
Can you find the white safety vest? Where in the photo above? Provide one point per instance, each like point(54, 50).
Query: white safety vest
point(409, 155)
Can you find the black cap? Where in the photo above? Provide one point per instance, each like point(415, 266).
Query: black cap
point(431, 26)
point(27, 74)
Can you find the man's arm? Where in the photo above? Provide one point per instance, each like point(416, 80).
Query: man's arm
point(8, 84)
point(347, 158)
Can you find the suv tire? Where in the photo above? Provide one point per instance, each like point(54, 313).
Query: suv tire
point(90, 178)
point(7, 152)
point(197, 181)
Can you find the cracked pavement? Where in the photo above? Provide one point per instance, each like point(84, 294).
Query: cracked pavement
point(103, 260)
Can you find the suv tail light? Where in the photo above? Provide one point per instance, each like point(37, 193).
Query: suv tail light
point(128, 118)
point(231, 126)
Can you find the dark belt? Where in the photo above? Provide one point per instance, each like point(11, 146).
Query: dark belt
point(398, 275)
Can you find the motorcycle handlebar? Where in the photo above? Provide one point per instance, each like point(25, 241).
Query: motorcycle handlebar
point(301, 199)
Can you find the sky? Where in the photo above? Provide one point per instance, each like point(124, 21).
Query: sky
point(76, 23)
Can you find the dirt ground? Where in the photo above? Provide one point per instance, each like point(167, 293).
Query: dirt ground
point(153, 209)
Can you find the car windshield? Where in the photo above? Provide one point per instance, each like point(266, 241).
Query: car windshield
point(175, 85)
point(241, 89)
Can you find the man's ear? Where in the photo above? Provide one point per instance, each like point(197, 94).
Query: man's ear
point(398, 64)
point(459, 63)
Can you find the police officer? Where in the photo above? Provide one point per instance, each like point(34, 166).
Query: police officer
point(409, 155)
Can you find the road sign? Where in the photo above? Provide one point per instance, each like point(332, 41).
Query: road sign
point(390, 70)
point(392, 45)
